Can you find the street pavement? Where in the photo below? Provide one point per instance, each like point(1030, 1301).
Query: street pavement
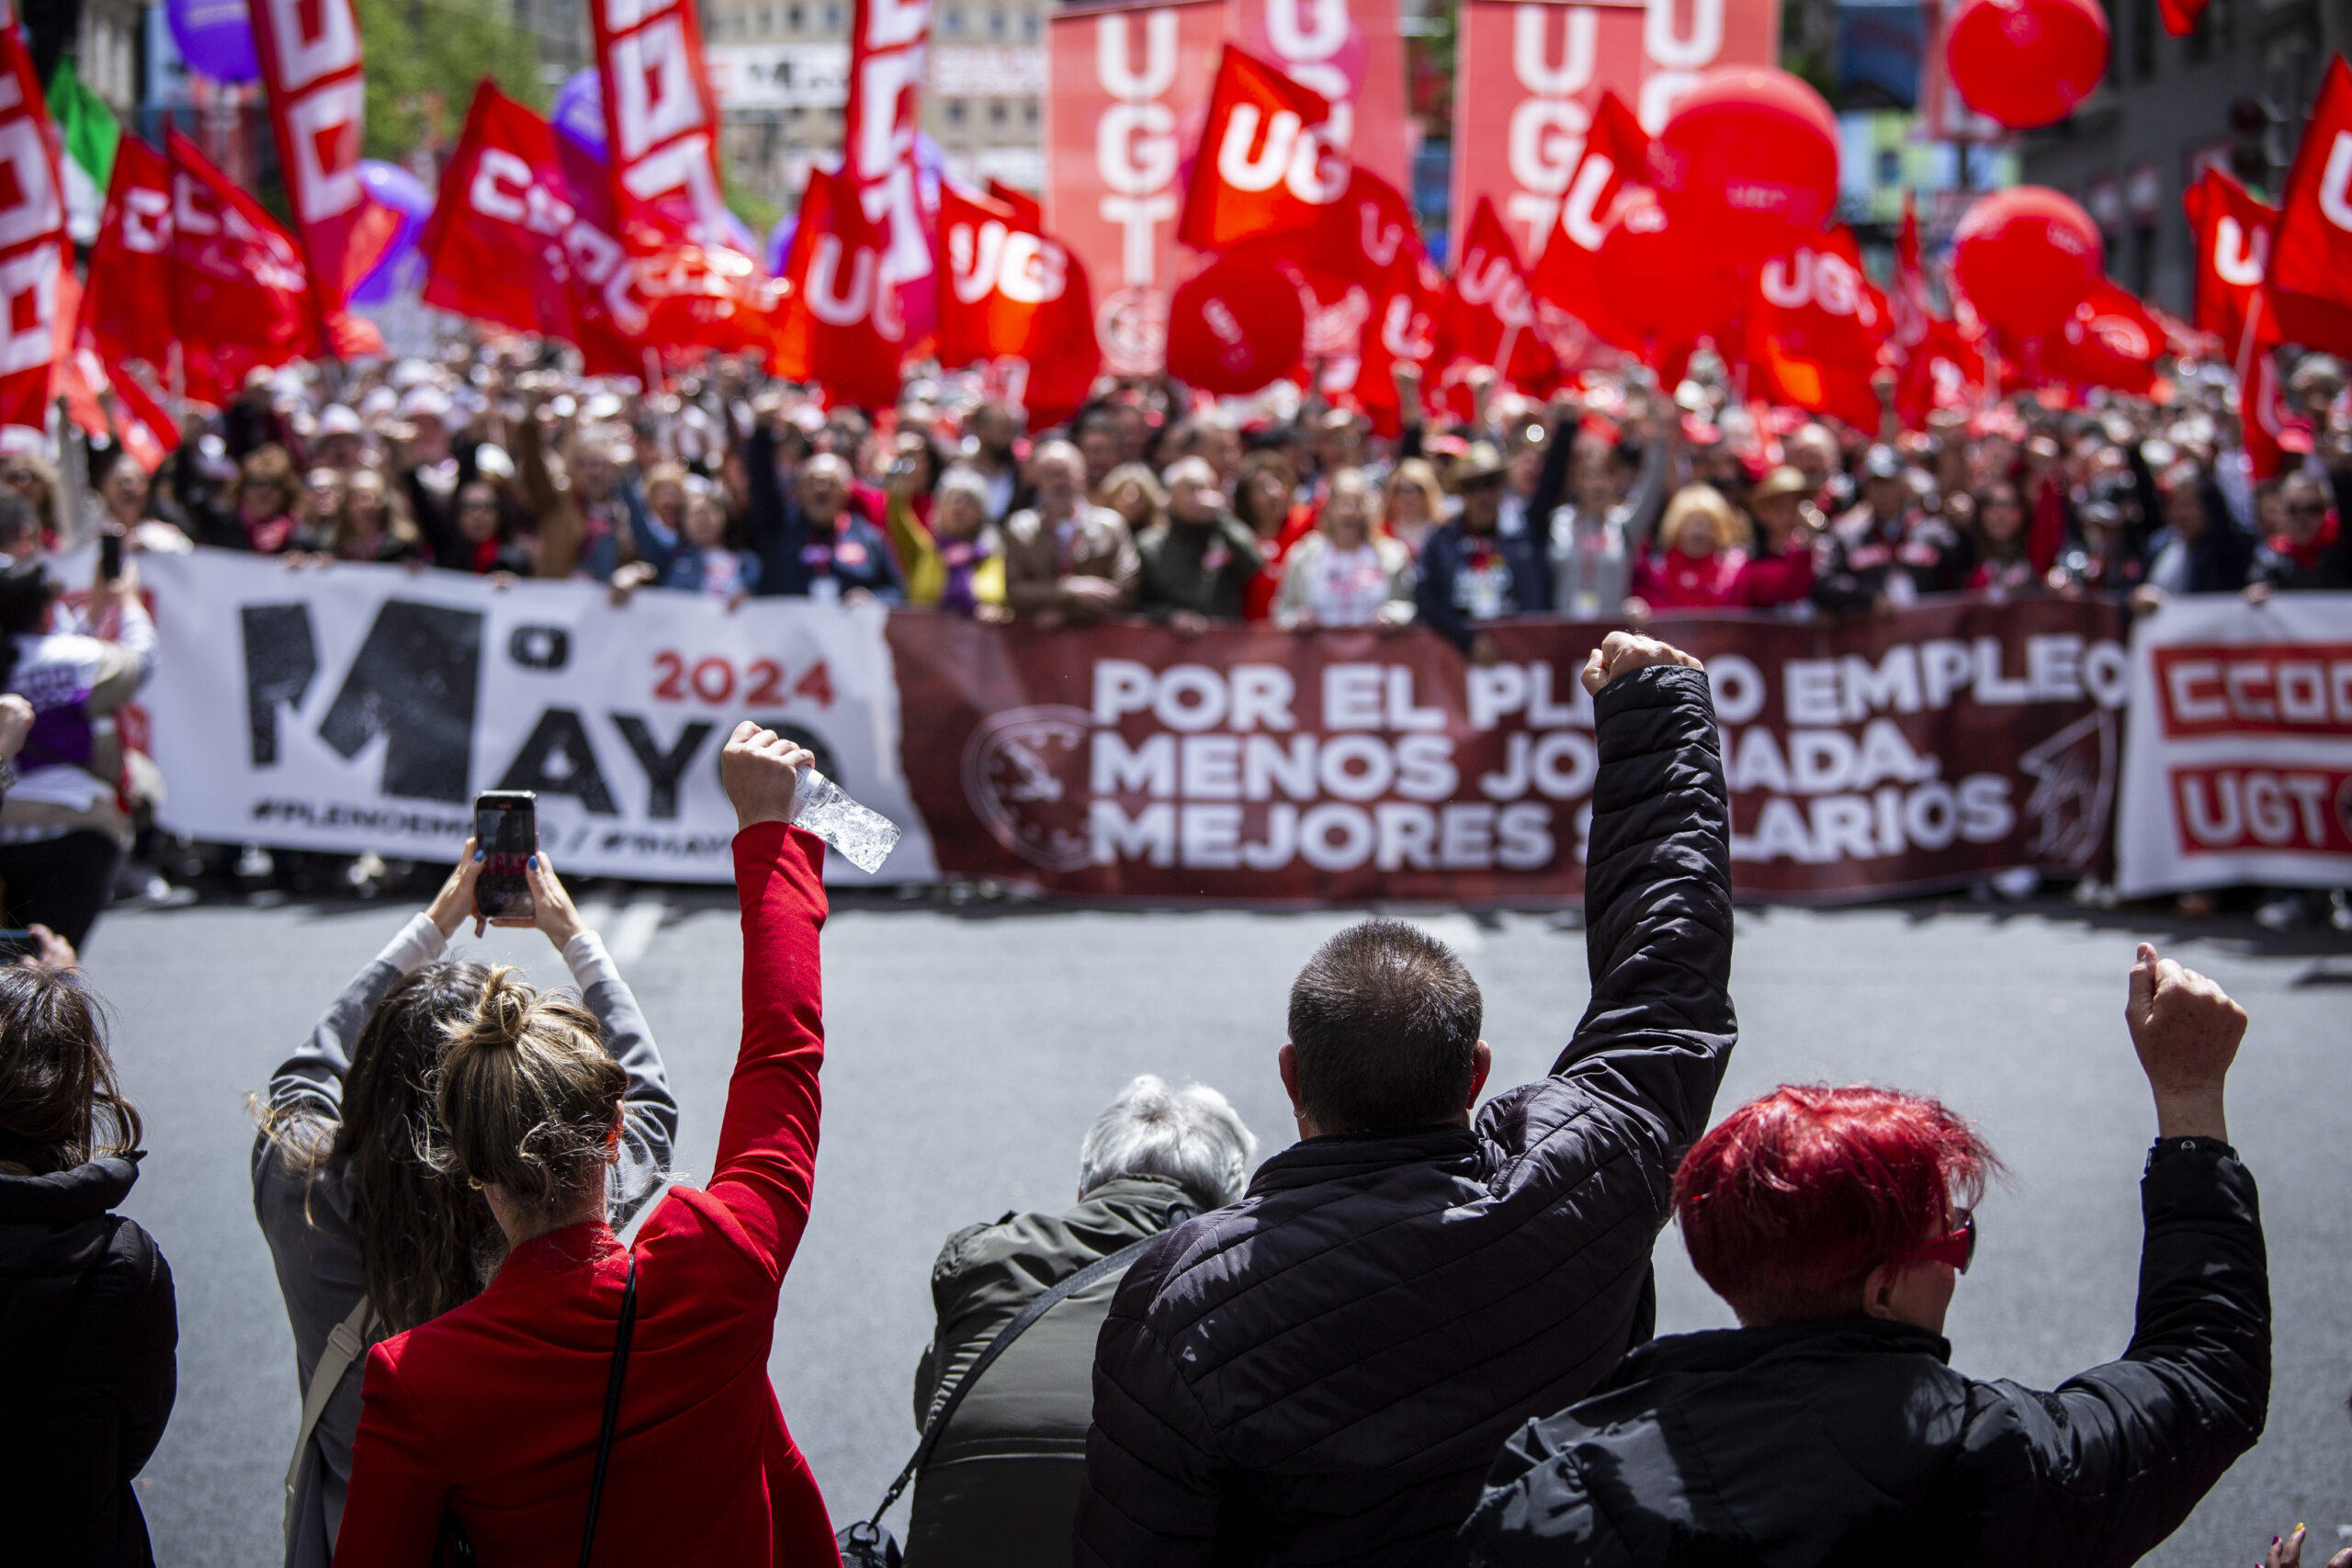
point(969, 1046)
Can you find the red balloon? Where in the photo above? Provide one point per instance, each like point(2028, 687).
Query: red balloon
point(1235, 326)
point(1663, 279)
point(2026, 62)
point(1749, 151)
point(2025, 257)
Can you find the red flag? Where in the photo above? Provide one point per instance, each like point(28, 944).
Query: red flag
point(1377, 297)
point(241, 296)
point(2262, 412)
point(509, 242)
point(661, 120)
point(1567, 272)
point(1490, 310)
point(2234, 232)
point(888, 40)
point(2181, 16)
point(32, 238)
point(309, 58)
point(1026, 208)
point(130, 264)
point(1816, 328)
point(1269, 161)
point(1017, 300)
point(81, 378)
point(2111, 339)
point(1667, 284)
point(2309, 281)
point(839, 325)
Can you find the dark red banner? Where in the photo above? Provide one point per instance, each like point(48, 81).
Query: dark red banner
point(1882, 755)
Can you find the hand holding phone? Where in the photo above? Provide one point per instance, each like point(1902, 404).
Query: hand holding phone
point(506, 829)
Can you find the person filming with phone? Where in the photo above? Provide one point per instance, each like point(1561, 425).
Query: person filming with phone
point(370, 1238)
point(600, 1392)
point(64, 828)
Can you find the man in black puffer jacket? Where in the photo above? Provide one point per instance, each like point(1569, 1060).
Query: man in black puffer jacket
point(1322, 1372)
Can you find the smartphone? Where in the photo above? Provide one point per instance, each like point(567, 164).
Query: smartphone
point(109, 556)
point(16, 944)
point(507, 831)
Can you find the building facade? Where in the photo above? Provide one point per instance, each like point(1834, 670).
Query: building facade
point(781, 71)
point(2235, 92)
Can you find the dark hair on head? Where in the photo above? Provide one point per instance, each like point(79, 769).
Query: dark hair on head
point(59, 1103)
point(26, 590)
point(427, 1241)
point(1791, 1200)
point(529, 1097)
point(1384, 1023)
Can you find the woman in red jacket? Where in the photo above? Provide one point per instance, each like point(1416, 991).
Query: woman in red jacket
point(490, 1413)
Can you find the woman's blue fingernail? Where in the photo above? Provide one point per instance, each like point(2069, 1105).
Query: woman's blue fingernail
point(478, 854)
point(534, 862)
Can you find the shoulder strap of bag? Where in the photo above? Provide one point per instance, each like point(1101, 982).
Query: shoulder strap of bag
point(612, 1410)
point(997, 1347)
point(346, 1341)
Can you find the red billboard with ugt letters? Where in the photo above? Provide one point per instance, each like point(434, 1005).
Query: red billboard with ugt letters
point(1531, 72)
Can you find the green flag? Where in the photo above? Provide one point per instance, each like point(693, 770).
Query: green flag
point(88, 132)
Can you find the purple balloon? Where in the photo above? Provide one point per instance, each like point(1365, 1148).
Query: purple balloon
point(780, 242)
point(580, 112)
point(399, 269)
point(215, 36)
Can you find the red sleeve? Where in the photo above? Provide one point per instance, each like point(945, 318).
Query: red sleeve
point(393, 1514)
point(767, 1144)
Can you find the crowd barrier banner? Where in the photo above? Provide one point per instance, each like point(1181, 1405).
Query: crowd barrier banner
point(2239, 762)
point(1893, 753)
point(362, 708)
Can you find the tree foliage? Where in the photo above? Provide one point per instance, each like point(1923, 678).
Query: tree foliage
point(424, 59)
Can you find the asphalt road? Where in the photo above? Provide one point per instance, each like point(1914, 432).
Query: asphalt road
point(971, 1047)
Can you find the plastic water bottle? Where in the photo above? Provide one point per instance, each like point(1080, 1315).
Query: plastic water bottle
point(864, 835)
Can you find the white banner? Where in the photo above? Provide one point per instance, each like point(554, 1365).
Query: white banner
point(2238, 767)
point(362, 708)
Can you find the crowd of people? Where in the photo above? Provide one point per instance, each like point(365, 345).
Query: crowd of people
point(1422, 1332)
point(1616, 500)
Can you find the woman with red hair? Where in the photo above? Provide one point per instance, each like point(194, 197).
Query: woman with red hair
point(1829, 1429)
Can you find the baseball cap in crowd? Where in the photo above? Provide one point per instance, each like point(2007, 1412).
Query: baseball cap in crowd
point(492, 463)
point(425, 402)
point(337, 420)
point(1882, 462)
point(378, 403)
point(408, 373)
point(1782, 481)
point(1482, 460)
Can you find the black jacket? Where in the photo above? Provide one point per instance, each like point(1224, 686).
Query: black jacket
point(1856, 556)
point(1851, 1442)
point(88, 1334)
point(1003, 1483)
point(1449, 552)
point(1322, 1372)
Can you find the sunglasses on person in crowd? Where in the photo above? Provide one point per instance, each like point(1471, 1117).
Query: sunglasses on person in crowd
point(2307, 509)
point(1959, 1248)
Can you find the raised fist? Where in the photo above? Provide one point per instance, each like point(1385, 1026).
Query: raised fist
point(1620, 653)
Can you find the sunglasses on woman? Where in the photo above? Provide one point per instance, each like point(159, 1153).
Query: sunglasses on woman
point(1959, 1248)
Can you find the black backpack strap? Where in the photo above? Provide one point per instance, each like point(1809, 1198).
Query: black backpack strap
point(998, 1346)
point(612, 1410)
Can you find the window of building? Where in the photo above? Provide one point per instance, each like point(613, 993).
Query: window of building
point(833, 18)
point(996, 24)
point(1029, 112)
point(795, 18)
point(1029, 28)
point(955, 111)
point(996, 112)
point(767, 18)
point(952, 24)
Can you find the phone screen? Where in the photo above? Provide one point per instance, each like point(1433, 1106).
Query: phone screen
point(109, 556)
point(506, 829)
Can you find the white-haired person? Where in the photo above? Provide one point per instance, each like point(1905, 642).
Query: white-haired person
point(999, 1482)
